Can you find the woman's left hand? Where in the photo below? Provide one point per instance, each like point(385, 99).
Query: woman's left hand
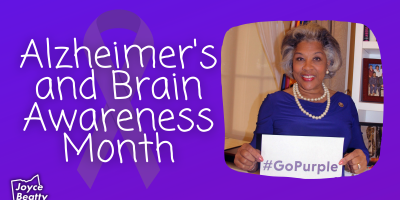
point(355, 158)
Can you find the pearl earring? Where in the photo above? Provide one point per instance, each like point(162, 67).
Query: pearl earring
point(327, 71)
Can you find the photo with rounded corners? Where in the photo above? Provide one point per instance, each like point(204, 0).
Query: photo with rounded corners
point(293, 99)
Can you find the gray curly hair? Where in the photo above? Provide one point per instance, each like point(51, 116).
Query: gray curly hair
point(311, 32)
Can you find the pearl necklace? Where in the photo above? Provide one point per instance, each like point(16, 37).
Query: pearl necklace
point(314, 99)
point(326, 92)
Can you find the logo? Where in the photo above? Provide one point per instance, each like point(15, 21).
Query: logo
point(27, 189)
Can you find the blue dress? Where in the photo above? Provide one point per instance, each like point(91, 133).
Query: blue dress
point(280, 115)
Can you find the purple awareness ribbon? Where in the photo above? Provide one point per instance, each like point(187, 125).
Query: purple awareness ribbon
point(93, 40)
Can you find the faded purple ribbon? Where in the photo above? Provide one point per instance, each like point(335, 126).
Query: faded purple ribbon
point(93, 40)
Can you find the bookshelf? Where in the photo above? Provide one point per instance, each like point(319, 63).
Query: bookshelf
point(367, 111)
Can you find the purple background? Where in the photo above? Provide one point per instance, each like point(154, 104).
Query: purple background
point(199, 170)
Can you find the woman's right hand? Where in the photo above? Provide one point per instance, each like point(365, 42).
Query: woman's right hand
point(247, 157)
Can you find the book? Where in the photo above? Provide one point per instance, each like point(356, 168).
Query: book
point(283, 82)
point(287, 84)
point(366, 33)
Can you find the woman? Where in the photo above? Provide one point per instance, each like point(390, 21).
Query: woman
point(310, 54)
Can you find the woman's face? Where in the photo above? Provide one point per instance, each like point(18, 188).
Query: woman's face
point(377, 68)
point(309, 65)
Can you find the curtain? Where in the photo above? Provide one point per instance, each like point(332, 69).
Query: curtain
point(271, 36)
point(247, 78)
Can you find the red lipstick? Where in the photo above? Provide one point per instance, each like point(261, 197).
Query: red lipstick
point(308, 77)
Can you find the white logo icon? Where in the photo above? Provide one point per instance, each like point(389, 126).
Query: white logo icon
point(27, 189)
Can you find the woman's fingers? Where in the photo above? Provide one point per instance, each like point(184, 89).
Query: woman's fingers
point(242, 166)
point(247, 157)
point(254, 152)
point(246, 154)
point(243, 163)
point(348, 157)
point(355, 160)
point(363, 167)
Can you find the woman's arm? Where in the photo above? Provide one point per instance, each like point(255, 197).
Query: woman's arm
point(358, 155)
point(249, 155)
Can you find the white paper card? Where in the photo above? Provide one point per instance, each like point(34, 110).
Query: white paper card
point(301, 156)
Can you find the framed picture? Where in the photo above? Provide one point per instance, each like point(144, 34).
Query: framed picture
point(372, 136)
point(372, 81)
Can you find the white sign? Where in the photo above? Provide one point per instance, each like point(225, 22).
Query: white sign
point(301, 156)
